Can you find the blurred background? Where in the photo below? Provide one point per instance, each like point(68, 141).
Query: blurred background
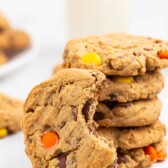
point(53, 22)
point(50, 23)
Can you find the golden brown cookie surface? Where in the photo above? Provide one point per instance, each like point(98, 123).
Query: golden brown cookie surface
point(136, 137)
point(130, 114)
point(116, 54)
point(10, 114)
point(58, 124)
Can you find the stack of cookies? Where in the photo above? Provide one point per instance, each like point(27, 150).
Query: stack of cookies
point(103, 112)
point(131, 65)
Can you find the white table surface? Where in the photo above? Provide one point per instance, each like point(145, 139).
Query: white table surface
point(50, 29)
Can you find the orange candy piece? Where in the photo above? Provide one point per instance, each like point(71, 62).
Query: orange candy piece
point(163, 54)
point(151, 151)
point(49, 139)
point(154, 155)
point(162, 155)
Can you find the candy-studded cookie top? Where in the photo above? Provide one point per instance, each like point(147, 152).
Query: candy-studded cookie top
point(117, 54)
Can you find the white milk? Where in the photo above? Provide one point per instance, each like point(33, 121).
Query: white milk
point(90, 17)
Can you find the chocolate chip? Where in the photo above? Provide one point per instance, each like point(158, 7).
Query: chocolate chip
point(47, 126)
point(99, 116)
point(136, 53)
point(148, 49)
point(61, 87)
point(74, 110)
point(157, 41)
point(95, 75)
point(86, 109)
point(59, 153)
point(121, 159)
point(110, 104)
point(62, 161)
point(30, 110)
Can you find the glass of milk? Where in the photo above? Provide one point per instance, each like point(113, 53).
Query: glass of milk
point(92, 17)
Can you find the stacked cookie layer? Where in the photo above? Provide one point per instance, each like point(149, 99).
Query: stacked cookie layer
point(132, 66)
point(103, 111)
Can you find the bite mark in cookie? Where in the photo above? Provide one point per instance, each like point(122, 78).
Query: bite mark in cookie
point(65, 105)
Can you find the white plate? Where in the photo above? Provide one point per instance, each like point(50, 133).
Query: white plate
point(21, 59)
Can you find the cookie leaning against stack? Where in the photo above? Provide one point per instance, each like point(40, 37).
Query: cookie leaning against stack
point(132, 67)
point(58, 123)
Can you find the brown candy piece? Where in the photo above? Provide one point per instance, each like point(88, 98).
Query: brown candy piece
point(121, 159)
point(62, 161)
point(86, 109)
point(99, 116)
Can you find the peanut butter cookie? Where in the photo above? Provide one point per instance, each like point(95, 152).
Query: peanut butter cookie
point(117, 54)
point(10, 115)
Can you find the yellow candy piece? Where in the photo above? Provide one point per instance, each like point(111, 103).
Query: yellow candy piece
point(3, 132)
point(123, 79)
point(92, 59)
